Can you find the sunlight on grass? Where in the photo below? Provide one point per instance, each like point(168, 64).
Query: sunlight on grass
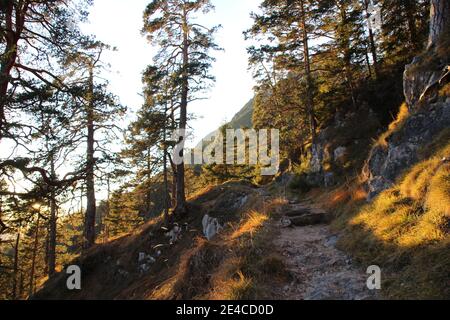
point(238, 289)
point(253, 223)
point(406, 228)
point(403, 114)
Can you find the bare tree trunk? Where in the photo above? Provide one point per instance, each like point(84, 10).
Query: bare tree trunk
point(439, 20)
point(309, 80)
point(15, 294)
point(89, 222)
point(33, 260)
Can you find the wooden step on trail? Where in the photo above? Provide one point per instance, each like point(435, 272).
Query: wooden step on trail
point(308, 219)
point(301, 216)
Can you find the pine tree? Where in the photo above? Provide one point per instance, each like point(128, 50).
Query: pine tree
point(404, 28)
point(290, 25)
point(98, 113)
point(123, 214)
point(34, 37)
point(184, 47)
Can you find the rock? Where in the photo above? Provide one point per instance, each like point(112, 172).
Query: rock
point(211, 227)
point(144, 268)
point(174, 234)
point(123, 273)
point(376, 186)
point(285, 222)
point(329, 180)
point(317, 155)
point(145, 259)
point(332, 241)
point(340, 154)
point(387, 163)
point(417, 81)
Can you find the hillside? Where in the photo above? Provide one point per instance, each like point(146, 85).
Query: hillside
point(349, 199)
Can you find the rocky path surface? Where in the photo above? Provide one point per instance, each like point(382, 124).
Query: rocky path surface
point(319, 271)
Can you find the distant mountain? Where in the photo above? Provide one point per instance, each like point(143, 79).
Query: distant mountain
point(242, 120)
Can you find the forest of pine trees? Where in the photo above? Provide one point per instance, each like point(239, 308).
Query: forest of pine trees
point(314, 61)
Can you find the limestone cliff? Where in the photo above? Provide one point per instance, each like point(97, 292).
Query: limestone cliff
point(426, 83)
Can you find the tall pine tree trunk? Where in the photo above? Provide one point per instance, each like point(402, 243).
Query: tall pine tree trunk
point(148, 196)
point(344, 39)
point(372, 44)
point(307, 68)
point(166, 179)
point(439, 20)
point(52, 225)
point(181, 192)
point(33, 259)
point(166, 188)
point(89, 221)
point(15, 294)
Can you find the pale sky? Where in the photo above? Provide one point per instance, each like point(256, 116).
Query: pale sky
point(118, 23)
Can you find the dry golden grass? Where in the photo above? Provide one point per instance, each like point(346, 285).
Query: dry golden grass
point(164, 291)
point(232, 285)
point(403, 114)
point(438, 196)
point(406, 228)
point(239, 288)
point(201, 192)
point(253, 223)
point(445, 91)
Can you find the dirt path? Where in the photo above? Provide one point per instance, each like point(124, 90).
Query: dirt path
point(319, 271)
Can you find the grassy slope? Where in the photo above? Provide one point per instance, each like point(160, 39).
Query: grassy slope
point(193, 268)
point(406, 229)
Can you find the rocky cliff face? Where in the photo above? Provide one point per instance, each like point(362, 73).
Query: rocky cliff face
point(342, 146)
point(386, 163)
point(429, 108)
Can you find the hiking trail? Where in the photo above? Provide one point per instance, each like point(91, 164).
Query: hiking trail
point(317, 269)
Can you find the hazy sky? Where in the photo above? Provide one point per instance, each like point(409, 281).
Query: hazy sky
point(118, 23)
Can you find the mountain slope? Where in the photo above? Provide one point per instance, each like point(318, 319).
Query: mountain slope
point(243, 119)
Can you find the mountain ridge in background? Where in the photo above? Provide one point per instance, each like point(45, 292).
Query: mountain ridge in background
point(241, 120)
